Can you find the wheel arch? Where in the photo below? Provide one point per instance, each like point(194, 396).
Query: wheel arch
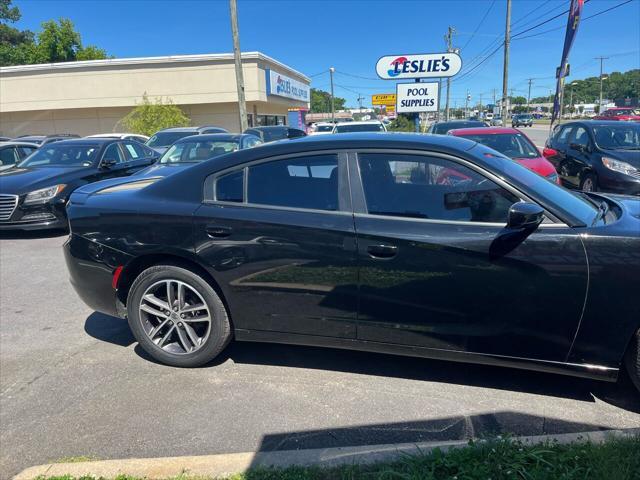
point(136, 266)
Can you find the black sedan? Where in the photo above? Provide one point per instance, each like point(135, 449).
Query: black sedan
point(34, 193)
point(431, 246)
point(597, 155)
point(13, 152)
point(442, 128)
point(197, 148)
point(272, 133)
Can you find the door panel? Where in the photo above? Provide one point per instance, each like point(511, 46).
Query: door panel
point(463, 285)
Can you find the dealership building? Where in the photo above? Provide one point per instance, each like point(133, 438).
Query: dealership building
point(93, 96)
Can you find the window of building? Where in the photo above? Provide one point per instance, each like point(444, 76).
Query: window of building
point(305, 182)
point(419, 186)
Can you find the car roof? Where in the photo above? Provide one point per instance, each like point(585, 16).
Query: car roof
point(19, 143)
point(269, 127)
point(115, 135)
point(362, 122)
point(179, 129)
point(592, 123)
point(482, 131)
point(231, 137)
point(84, 141)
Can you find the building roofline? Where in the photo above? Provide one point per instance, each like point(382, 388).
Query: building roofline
point(149, 60)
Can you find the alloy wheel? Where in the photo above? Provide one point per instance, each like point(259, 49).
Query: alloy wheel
point(175, 317)
point(588, 185)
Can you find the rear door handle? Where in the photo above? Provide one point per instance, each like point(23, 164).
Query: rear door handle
point(382, 251)
point(218, 231)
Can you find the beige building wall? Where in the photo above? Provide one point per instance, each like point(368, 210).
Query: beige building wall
point(92, 97)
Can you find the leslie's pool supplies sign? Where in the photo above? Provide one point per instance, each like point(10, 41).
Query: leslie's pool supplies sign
point(429, 65)
point(416, 97)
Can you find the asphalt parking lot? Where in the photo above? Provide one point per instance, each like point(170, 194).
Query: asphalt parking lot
point(74, 383)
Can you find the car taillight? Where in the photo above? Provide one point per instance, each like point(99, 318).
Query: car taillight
point(549, 152)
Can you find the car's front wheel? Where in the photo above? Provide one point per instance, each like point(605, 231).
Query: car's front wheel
point(632, 360)
point(177, 317)
point(589, 183)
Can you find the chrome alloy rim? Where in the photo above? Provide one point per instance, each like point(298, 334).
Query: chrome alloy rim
point(175, 317)
point(587, 186)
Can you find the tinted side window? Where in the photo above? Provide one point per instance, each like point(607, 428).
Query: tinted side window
point(305, 182)
point(580, 137)
point(562, 138)
point(133, 151)
point(26, 151)
point(230, 187)
point(419, 186)
point(8, 156)
point(113, 153)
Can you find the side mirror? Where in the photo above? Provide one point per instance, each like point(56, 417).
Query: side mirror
point(549, 152)
point(107, 162)
point(525, 216)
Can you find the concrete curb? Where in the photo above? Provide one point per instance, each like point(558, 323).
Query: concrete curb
point(228, 464)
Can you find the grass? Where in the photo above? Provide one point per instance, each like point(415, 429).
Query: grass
point(500, 459)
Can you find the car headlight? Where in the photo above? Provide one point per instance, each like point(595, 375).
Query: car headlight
point(553, 177)
point(618, 166)
point(43, 195)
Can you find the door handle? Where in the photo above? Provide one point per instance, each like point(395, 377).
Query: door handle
point(382, 251)
point(218, 231)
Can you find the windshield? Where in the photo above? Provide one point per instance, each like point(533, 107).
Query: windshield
point(191, 152)
point(56, 155)
point(626, 111)
point(524, 117)
point(512, 145)
point(324, 128)
point(164, 139)
point(625, 136)
point(363, 127)
point(573, 204)
point(443, 128)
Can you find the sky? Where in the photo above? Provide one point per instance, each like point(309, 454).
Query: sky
point(350, 35)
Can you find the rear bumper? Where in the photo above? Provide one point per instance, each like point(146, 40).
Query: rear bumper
point(91, 266)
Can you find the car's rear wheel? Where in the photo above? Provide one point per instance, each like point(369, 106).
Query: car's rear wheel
point(632, 360)
point(589, 183)
point(177, 317)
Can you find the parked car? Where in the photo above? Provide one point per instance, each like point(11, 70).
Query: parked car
point(351, 241)
point(496, 121)
point(620, 114)
point(271, 133)
point(13, 152)
point(514, 144)
point(597, 155)
point(367, 126)
point(441, 128)
point(33, 194)
point(522, 120)
point(188, 151)
point(45, 139)
point(4, 139)
point(163, 139)
point(322, 128)
point(123, 136)
point(488, 116)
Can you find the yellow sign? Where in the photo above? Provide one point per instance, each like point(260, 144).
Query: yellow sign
point(383, 99)
point(390, 108)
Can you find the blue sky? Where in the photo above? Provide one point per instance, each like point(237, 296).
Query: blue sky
point(351, 35)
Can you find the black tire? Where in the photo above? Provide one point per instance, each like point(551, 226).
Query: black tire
point(589, 183)
point(632, 360)
point(220, 329)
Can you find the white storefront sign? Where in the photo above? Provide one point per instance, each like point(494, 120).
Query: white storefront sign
point(430, 65)
point(283, 86)
point(416, 97)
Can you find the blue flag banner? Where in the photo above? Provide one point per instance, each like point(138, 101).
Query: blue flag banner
point(575, 12)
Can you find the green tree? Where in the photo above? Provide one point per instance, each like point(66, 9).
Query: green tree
point(321, 101)
point(149, 117)
point(402, 123)
point(16, 46)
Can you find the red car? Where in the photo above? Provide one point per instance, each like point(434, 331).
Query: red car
point(513, 144)
point(621, 114)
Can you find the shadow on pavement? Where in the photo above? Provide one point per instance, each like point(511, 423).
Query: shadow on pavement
point(621, 394)
point(30, 235)
point(438, 429)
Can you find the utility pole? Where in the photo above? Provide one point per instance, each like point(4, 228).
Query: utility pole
point(450, 32)
point(242, 105)
point(505, 71)
point(333, 112)
point(466, 104)
point(480, 109)
point(529, 95)
point(602, 59)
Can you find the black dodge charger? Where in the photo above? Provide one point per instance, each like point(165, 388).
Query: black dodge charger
point(34, 193)
point(428, 246)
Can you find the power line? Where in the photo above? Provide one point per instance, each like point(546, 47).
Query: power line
point(537, 9)
point(479, 24)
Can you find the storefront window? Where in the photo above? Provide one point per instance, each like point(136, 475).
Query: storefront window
point(268, 120)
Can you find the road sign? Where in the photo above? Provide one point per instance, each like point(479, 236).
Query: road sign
point(390, 109)
point(429, 65)
point(383, 99)
point(417, 97)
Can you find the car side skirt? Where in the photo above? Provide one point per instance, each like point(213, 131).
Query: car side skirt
point(595, 372)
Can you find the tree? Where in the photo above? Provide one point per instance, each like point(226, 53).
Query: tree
point(58, 41)
point(402, 123)
point(321, 102)
point(149, 117)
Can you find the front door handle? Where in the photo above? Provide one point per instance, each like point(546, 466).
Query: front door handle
point(218, 231)
point(382, 251)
